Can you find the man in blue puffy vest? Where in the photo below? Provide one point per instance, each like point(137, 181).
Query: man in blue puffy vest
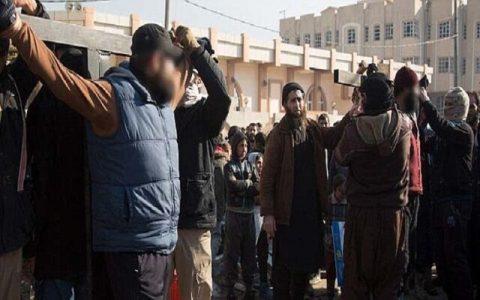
point(132, 149)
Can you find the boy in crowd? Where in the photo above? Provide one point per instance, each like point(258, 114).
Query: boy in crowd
point(336, 211)
point(242, 187)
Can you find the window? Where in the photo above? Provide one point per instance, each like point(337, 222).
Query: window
point(351, 36)
point(429, 32)
point(376, 32)
point(286, 40)
point(445, 65)
point(478, 30)
point(410, 29)
point(337, 36)
point(389, 31)
point(464, 31)
point(464, 66)
point(306, 38)
point(477, 66)
point(427, 61)
point(328, 38)
point(365, 33)
point(318, 40)
point(444, 29)
point(297, 41)
point(413, 59)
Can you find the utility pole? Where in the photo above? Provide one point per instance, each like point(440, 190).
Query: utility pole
point(167, 14)
point(456, 45)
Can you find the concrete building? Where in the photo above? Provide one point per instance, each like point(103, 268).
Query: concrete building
point(258, 69)
point(419, 31)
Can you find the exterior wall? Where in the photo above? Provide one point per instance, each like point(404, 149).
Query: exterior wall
point(262, 68)
point(425, 13)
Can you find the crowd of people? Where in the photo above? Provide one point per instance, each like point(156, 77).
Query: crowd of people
point(170, 194)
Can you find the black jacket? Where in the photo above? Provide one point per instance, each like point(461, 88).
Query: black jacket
point(452, 153)
point(242, 185)
point(16, 214)
point(197, 128)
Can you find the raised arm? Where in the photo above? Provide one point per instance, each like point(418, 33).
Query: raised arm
point(94, 100)
point(217, 105)
point(330, 136)
point(441, 126)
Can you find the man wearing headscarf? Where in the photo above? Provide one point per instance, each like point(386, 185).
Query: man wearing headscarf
point(406, 91)
point(452, 190)
point(375, 147)
point(293, 189)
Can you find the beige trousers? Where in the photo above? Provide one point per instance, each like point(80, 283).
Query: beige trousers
point(193, 262)
point(10, 274)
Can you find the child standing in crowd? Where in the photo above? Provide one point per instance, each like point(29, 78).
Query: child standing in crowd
point(336, 211)
point(242, 187)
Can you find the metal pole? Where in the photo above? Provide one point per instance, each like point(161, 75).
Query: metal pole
point(455, 48)
point(167, 14)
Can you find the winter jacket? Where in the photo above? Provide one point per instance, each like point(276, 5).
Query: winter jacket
point(452, 155)
point(134, 173)
point(220, 160)
point(376, 151)
point(242, 180)
point(197, 127)
point(16, 213)
point(276, 184)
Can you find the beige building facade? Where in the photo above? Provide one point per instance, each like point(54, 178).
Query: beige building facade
point(416, 31)
point(256, 71)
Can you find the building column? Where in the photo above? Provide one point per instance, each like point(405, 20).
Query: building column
point(245, 48)
point(290, 74)
point(316, 90)
point(89, 20)
point(263, 105)
point(134, 22)
point(230, 76)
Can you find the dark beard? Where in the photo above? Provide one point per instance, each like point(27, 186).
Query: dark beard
point(296, 121)
point(411, 104)
point(160, 92)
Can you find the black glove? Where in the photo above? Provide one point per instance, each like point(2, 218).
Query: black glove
point(7, 14)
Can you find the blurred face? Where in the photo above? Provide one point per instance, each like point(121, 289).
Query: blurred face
point(408, 100)
point(161, 75)
point(295, 104)
point(259, 164)
point(242, 149)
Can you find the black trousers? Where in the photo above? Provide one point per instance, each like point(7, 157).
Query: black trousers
point(450, 231)
point(239, 244)
point(262, 256)
point(139, 276)
point(424, 256)
point(287, 284)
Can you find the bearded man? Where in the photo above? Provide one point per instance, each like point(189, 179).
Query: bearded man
point(293, 189)
point(452, 190)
